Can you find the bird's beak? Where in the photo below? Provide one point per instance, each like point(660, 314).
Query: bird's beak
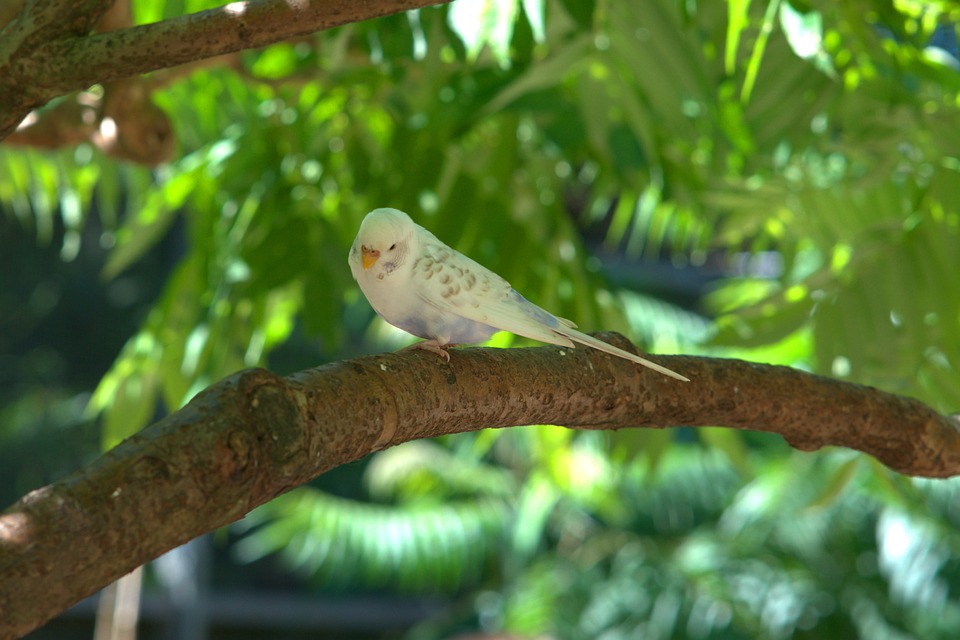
point(370, 257)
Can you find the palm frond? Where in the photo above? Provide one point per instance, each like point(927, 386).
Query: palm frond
point(430, 548)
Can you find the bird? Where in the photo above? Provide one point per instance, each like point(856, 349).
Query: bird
point(420, 285)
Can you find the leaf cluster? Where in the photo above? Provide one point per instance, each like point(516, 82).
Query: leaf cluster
point(803, 155)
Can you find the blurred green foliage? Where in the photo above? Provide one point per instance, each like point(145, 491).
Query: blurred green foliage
point(803, 158)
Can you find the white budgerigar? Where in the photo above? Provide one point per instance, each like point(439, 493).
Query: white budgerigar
point(419, 284)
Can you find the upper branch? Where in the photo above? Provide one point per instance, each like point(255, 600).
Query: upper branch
point(39, 21)
point(255, 435)
point(49, 67)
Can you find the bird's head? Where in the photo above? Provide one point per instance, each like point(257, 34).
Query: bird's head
point(384, 238)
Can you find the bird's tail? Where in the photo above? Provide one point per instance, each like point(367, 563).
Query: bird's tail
point(590, 341)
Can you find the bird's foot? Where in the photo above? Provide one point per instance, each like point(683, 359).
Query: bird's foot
point(432, 346)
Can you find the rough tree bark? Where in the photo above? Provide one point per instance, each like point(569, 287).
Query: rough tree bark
point(47, 50)
point(255, 435)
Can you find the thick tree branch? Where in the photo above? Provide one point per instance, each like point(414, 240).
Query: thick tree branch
point(255, 435)
point(41, 21)
point(38, 62)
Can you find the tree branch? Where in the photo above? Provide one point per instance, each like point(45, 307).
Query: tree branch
point(56, 63)
point(40, 21)
point(255, 435)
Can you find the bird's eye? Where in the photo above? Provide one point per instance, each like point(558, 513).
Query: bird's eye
point(393, 246)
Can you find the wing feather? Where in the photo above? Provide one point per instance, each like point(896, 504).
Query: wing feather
point(452, 283)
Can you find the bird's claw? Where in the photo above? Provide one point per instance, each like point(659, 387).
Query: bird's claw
point(432, 346)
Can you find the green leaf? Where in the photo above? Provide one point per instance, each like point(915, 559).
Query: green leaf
point(426, 549)
point(488, 23)
point(537, 500)
point(756, 56)
point(563, 60)
point(738, 18)
point(276, 61)
point(731, 443)
point(804, 31)
point(534, 10)
point(837, 482)
point(149, 223)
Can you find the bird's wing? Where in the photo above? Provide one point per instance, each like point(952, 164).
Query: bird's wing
point(453, 283)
